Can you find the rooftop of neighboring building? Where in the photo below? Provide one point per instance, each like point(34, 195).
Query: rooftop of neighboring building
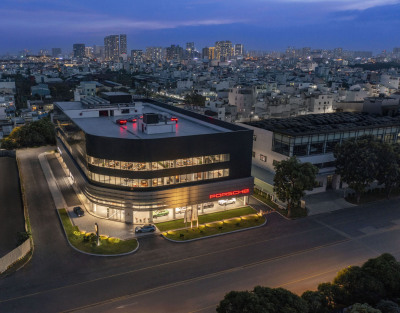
point(325, 123)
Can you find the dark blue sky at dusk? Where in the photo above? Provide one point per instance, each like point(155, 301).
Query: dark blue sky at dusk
point(258, 24)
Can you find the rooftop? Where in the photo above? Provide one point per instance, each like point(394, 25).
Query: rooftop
point(325, 123)
point(106, 126)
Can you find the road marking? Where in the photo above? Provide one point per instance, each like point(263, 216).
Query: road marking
point(199, 278)
point(163, 264)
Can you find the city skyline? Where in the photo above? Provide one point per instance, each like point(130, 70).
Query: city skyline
point(258, 24)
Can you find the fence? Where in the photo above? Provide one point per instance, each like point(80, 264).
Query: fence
point(15, 255)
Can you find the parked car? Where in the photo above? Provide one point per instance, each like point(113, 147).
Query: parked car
point(145, 229)
point(226, 202)
point(159, 213)
point(180, 210)
point(79, 211)
point(208, 205)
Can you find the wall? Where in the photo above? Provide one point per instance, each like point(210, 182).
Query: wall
point(15, 255)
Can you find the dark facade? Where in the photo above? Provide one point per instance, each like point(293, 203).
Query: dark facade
point(148, 174)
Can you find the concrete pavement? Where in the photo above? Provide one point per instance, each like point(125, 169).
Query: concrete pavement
point(329, 201)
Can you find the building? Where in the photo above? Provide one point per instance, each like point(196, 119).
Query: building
point(137, 56)
point(56, 52)
point(111, 48)
point(123, 44)
point(154, 53)
point(190, 50)
point(223, 50)
point(244, 98)
point(174, 52)
point(137, 161)
point(312, 138)
point(89, 52)
point(239, 50)
point(79, 50)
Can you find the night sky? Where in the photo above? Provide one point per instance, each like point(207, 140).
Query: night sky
point(258, 24)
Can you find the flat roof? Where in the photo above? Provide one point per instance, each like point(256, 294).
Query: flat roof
point(106, 126)
point(325, 123)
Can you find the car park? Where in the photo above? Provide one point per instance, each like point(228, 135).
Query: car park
point(149, 228)
point(79, 211)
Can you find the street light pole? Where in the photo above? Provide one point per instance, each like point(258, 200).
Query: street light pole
point(96, 227)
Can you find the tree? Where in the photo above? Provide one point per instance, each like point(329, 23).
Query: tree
point(291, 179)
point(386, 306)
point(358, 286)
point(195, 99)
point(262, 300)
point(357, 163)
point(388, 171)
point(317, 302)
point(386, 269)
point(240, 301)
point(362, 308)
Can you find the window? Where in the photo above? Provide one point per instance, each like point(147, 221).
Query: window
point(263, 158)
point(254, 154)
point(254, 137)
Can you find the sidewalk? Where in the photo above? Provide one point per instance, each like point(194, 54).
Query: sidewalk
point(86, 223)
point(325, 202)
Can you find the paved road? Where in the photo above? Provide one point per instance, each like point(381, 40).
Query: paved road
point(192, 277)
point(11, 209)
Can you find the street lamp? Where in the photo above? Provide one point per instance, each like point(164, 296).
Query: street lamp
point(96, 227)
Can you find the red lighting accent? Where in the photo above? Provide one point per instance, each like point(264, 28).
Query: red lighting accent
point(174, 119)
point(141, 116)
point(121, 122)
point(230, 193)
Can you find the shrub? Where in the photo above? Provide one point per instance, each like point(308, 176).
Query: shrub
point(237, 224)
point(114, 240)
point(77, 233)
point(181, 235)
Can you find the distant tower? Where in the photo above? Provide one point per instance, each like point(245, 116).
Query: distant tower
point(239, 50)
point(123, 44)
point(223, 50)
point(79, 50)
point(55, 52)
point(111, 48)
point(190, 50)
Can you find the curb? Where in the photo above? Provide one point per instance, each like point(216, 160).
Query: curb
point(216, 235)
point(92, 254)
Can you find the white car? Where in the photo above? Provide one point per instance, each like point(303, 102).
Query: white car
point(226, 202)
point(180, 210)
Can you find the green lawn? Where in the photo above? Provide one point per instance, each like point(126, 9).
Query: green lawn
point(108, 246)
point(296, 212)
point(207, 218)
point(214, 228)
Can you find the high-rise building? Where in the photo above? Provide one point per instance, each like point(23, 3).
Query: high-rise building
point(154, 53)
point(190, 50)
point(56, 52)
point(123, 44)
point(204, 53)
point(211, 53)
point(89, 52)
point(43, 52)
point(239, 50)
point(137, 56)
point(79, 50)
point(111, 48)
point(98, 51)
point(223, 50)
point(174, 52)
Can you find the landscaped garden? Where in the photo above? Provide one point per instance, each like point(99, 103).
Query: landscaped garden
point(215, 228)
point(297, 212)
point(206, 218)
point(87, 242)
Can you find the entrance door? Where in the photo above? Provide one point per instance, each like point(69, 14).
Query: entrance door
point(329, 179)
